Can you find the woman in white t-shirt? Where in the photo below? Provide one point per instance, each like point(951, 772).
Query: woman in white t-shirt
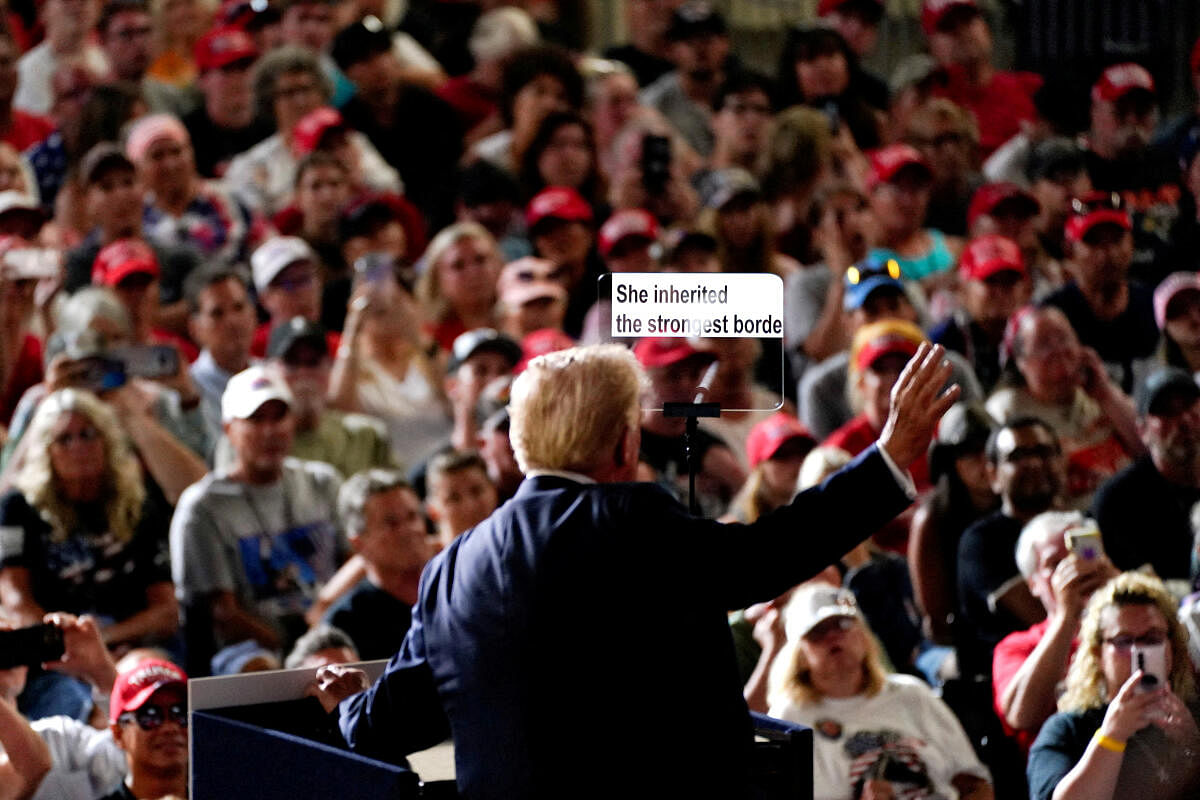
point(875, 736)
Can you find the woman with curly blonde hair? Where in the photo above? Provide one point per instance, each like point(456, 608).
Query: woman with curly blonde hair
point(1121, 731)
point(79, 532)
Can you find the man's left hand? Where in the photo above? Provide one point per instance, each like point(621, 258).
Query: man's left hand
point(918, 403)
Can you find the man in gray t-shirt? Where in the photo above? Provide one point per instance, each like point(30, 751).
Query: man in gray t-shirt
point(251, 546)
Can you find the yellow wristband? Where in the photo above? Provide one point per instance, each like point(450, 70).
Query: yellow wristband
point(1108, 743)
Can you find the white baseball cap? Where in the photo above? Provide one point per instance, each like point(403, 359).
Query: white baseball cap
point(247, 391)
point(814, 603)
point(275, 255)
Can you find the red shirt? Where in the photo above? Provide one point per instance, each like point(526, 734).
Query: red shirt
point(258, 345)
point(472, 104)
point(26, 372)
point(999, 107)
point(857, 435)
point(1010, 654)
point(27, 130)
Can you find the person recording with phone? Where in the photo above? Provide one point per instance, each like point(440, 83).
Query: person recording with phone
point(1062, 561)
point(80, 533)
point(1125, 727)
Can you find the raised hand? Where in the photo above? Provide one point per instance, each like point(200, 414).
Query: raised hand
point(918, 403)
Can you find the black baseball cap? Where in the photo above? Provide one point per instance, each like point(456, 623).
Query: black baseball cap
point(1159, 385)
point(287, 335)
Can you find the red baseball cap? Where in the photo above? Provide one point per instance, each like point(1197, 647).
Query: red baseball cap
point(222, 46)
point(653, 352)
point(541, 342)
point(990, 196)
point(826, 7)
point(1096, 208)
point(124, 257)
point(557, 202)
point(886, 337)
point(768, 436)
point(934, 11)
point(626, 223)
point(887, 161)
point(312, 127)
point(135, 685)
point(1121, 79)
point(987, 255)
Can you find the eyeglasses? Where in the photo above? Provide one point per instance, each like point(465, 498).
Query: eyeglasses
point(83, 436)
point(1042, 452)
point(1124, 642)
point(1083, 206)
point(856, 275)
point(151, 717)
point(292, 92)
point(293, 283)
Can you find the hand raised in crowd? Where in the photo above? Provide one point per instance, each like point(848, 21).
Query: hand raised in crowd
point(1075, 579)
point(918, 403)
point(1096, 380)
point(1176, 721)
point(1133, 709)
point(84, 654)
point(334, 683)
point(831, 242)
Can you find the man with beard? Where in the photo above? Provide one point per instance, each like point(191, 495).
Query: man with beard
point(1145, 511)
point(1025, 467)
point(1110, 313)
point(1120, 159)
point(150, 723)
point(685, 96)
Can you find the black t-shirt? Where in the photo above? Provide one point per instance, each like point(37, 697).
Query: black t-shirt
point(987, 565)
point(90, 571)
point(963, 336)
point(375, 620)
point(215, 146)
point(1150, 187)
point(646, 66)
point(424, 144)
point(1146, 520)
point(1131, 336)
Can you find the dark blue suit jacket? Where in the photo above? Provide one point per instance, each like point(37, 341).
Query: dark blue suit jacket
point(578, 637)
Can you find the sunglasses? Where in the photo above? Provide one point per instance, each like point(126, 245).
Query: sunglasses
point(83, 435)
point(890, 268)
point(1083, 206)
point(151, 717)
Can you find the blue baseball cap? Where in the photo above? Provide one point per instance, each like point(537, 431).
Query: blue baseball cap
point(866, 277)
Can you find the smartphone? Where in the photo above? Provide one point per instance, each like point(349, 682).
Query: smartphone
point(1085, 542)
point(1151, 659)
point(99, 374)
point(30, 646)
point(834, 115)
point(656, 163)
point(32, 263)
point(147, 360)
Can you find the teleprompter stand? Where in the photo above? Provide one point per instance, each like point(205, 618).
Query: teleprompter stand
point(692, 412)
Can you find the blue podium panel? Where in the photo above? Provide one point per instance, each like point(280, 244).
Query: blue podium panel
point(782, 760)
point(231, 758)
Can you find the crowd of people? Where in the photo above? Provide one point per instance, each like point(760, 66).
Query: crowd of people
point(268, 272)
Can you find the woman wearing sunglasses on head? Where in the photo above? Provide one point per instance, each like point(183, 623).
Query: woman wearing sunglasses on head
point(1125, 726)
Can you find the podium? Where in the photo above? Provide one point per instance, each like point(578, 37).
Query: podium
point(254, 736)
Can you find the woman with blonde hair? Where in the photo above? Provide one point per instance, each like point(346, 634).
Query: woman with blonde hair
point(878, 735)
point(1125, 727)
point(457, 290)
point(80, 533)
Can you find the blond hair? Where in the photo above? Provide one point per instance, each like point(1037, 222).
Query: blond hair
point(570, 408)
point(1086, 686)
point(429, 286)
point(790, 678)
point(124, 490)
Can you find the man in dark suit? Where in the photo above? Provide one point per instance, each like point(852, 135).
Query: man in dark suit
point(575, 643)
